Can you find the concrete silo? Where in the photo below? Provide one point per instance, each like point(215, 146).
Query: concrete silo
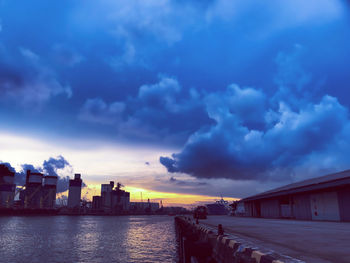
point(48, 198)
point(7, 186)
point(33, 192)
point(74, 194)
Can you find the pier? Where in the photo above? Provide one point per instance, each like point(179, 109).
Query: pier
point(259, 240)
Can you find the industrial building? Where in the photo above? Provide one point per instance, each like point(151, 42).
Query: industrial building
point(321, 198)
point(49, 192)
point(112, 200)
point(144, 206)
point(39, 192)
point(97, 203)
point(74, 194)
point(7, 187)
point(33, 190)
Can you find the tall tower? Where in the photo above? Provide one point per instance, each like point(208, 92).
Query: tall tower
point(7, 187)
point(74, 194)
point(106, 196)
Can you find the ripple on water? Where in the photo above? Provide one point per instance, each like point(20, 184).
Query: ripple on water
point(87, 239)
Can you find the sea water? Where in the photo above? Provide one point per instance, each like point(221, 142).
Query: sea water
point(87, 239)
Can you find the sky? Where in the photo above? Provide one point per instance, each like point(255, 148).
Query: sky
point(184, 101)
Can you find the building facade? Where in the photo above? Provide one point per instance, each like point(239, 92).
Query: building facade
point(74, 194)
point(7, 187)
point(48, 200)
point(97, 203)
point(322, 198)
point(113, 199)
point(32, 195)
point(144, 206)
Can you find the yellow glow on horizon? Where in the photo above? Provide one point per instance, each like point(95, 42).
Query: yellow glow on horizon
point(168, 199)
point(107, 160)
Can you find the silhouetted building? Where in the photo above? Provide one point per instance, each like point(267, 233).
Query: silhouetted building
point(49, 192)
point(321, 198)
point(114, 200)
point(7, 186)
point(74, 194)
point(96, 203)
point(106, 196)
point(144, 206)
point(220, 207)
point(31, 196)
point(175, 210)
point(217, 209)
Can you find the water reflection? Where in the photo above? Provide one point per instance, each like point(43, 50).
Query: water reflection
point(151, 240)
point(87, 239)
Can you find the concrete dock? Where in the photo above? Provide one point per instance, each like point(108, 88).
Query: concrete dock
point(308, 241)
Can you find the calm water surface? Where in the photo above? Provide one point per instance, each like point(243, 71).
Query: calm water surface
point(88, 239)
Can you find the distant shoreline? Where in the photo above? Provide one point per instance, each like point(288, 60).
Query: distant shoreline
point(59, 212)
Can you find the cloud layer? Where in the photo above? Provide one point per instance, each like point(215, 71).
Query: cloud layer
point(256, 137)
point(25, 80)
point(231, 150)
point(236, 89)
point(160, 111)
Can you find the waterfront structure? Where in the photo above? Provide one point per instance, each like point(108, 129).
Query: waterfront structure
point(74, 194)
point(48, 198)
point(7, 186)
point(31, 197)
point(113, 199)
point(106, 196)
point(216, 209)
point(175, 210)
point(220, 207)
point(39, 191)
point(97, 203)
point(144, 206)
point(321, 198)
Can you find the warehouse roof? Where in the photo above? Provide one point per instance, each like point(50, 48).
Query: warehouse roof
point(330, 180)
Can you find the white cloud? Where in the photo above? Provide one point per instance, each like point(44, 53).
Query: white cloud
point(89, 157)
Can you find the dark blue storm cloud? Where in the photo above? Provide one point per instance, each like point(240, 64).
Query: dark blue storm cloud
point(160, 111)
point(231, 150)
point(289, 128)
point(246, 88)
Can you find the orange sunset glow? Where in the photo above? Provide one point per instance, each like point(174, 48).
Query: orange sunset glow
point(168, 199)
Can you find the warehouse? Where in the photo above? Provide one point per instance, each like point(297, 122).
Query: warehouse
point(321, 198)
